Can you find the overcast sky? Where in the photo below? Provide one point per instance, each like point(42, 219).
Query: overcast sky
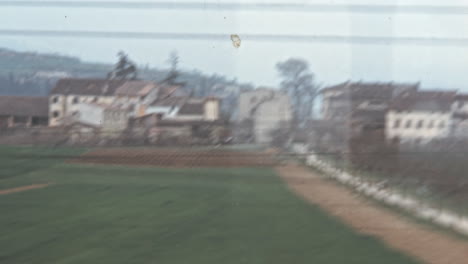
point(436, 66)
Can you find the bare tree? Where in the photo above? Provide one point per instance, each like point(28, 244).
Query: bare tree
point(124, 68)
point(298, 83)
point(173, 61)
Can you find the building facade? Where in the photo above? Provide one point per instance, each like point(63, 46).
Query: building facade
point(420, 117)
point(68, 94)
point(109, 118)
point(267, 110)
point(360, 109)
point(270, 115)
point(249, 101)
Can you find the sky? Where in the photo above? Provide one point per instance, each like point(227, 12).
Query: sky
point(438, 66)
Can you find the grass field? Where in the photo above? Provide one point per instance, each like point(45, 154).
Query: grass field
point(115, 214)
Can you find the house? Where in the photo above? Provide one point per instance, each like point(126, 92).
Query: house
point(270, 115)
point(249, 100)
point(360, 107)
point(353, 101)
point(267, 110)
point(421, 116)
point(355, 115)
point(109, 118)
point(130, 109)
point(136, 94)
point(180, 120)
point(67, 95)
point(25, 111)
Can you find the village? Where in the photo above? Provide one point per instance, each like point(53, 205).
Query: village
point(248, 132)
point(352, 115)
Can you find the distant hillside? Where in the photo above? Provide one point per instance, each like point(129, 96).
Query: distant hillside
point(30, 63)
point(30, 73)
point(34, 74)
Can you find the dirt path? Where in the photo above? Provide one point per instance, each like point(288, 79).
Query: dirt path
point(416, 240)
point(23, 188)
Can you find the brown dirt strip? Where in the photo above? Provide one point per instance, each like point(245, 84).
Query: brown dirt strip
point(177, 158)
point(23, 188)
point(417, 240)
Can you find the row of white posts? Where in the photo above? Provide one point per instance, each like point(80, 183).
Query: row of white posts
point(420, 209)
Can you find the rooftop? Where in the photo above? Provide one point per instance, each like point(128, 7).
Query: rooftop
point(433, 101)
point(87, 86)
point(371, 87)
point(462, 97)
point(135, 88)
point(24, 106)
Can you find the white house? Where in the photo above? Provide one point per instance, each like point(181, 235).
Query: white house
point(68, 94)
point(248, 101)
point(268, 109)
point(102, 116)
point(271, 115)
point(420, 116)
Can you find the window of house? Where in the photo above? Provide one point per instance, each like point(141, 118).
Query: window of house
point(408, 124)
point(55, 99)
point(396, 124)
point(75, 100)
point(21, 119)
point(420, 124)
point(430, 124)
point(55, 114)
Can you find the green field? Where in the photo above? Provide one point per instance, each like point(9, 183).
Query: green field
point(105, 214)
